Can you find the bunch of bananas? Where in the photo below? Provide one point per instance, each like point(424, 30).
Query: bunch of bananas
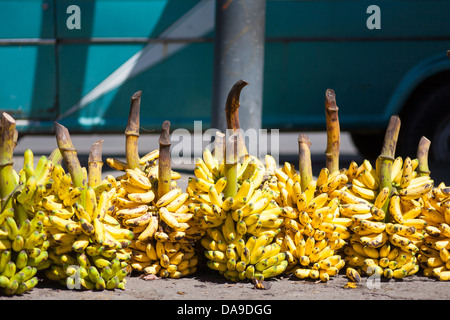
point(385, 202)
point(240, 229)
point(162, 228)
point(386, 246)
point(87, 244)
point(23, 242)
point(151, 204)
point(434, 253)
point(313, 232)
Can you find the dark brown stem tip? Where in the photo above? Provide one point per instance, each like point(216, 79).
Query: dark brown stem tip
point(95, 153)
point(234, 94)
point(330, 95)
point(134, 114)
point(164, 139)
point(136, 95)
point(330, 101)
point(304, 139)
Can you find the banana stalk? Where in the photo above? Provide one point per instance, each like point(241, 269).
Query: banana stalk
point(219, 146)
point(8, 142)
point(70, 157)
point(164, 162)
point(386, 159)
point(232, 115)
point(231, 166)
point(333, 131)
point(422, 156)
point(132, 132)
point(95, 164)
point(304, 161)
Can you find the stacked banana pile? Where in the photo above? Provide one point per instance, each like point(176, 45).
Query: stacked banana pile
point(162, 228)
point(434, 253)
point(386, 247)
point(151, 204)
point(313, 232)
point(240, 229)
point(86, 243)
point(23, 242)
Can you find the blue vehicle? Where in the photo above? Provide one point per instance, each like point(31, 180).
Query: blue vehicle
point(78, 62)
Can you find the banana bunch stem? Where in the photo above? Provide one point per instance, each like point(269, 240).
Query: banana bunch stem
point(232, 115)
point(7, 145)
point(333, 131)
point(304, 160)
point(95, 164)
point(387, 158)
point(231, 166)
point(422, 156)
point(132, 132)
point(219, 146)
point(70, 157)
point(164, 162)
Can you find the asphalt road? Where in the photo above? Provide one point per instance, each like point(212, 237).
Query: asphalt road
point(206, 285)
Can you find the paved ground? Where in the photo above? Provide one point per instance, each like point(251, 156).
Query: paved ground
point(208, 285)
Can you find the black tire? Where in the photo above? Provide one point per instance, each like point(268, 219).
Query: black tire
point(428, 115)
point(368, 143)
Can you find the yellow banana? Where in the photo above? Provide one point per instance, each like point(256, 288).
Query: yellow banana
point(168, 218)
point(365, 193)
point(374, 227)
point(168, 197)
point(417, 191)
point(145, 197)
point(138, 179)
point(395, 209)
point(381, 197)
point(375, 240)
point(129, 213)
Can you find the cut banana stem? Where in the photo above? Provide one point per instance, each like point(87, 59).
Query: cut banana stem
point(422, 156)
point(70, 157)
point(95, 164)
point(333, 131)
point(164, 164)
point(232, 115)
point(7, 178)
point(231, 166)
point(132, 132)
point(304, 160)
point(219, 146)
point(387, 158)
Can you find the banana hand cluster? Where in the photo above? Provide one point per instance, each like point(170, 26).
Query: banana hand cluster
point(23, 241)
point(313, 232)
point(434, 253)
point(389, 248)
point(240, 230)
point(88, 231)
point(163, 228)
point(245, 257)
